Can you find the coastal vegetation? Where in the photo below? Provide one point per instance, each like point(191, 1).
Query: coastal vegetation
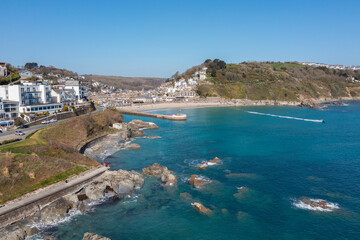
point(12, 76)
point(130, 83)
point(50, 155)
point(288, 81)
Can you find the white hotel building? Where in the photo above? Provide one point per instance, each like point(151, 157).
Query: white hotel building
point(32, 97)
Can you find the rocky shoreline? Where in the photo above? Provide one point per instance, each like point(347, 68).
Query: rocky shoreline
point(110, 185)
point(100, 149)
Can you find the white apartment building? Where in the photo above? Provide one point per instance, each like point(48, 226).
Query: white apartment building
point(31, 97)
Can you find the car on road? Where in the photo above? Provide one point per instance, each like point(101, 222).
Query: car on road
point(53, 120)
point(20, 133)
point(45, 122)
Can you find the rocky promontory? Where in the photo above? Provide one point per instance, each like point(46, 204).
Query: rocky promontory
point(107, 145)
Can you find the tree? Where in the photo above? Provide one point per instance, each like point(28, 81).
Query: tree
point(18, 121)
point(31, 65)
point(173, 77)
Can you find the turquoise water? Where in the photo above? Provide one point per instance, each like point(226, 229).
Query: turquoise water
point(283, 159)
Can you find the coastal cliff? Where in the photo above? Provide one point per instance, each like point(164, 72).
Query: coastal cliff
point(288, 81)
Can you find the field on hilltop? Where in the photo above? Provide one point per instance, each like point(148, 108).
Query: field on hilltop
point(290, 81)
point(129, 83)
point(50, 155)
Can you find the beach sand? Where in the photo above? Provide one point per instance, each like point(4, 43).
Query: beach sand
point(182, 105)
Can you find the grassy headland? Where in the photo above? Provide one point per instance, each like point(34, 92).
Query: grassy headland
point(49, 155)
point(289, 81)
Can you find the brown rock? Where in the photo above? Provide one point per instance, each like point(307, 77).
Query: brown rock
point(201, 208)
point(202, 167)
point(197, 181)
point(94, 236)
point(50, 237)
point(312, 203)
point(215, 160)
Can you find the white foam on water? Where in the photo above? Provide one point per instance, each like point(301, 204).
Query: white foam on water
point(287, 117)
point(300, 204)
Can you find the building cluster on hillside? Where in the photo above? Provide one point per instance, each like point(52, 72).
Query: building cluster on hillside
point(29, 98)
point(340, 67)
point(173, 90)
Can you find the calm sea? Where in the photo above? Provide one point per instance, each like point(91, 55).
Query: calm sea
point(279, 160)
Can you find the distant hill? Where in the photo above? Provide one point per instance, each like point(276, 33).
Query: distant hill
point(47, 70)
point(277, 81)
point(129, 83)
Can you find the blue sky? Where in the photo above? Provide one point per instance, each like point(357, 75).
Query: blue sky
point(157, 38)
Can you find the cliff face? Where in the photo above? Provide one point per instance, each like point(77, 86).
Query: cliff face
point(279, 81)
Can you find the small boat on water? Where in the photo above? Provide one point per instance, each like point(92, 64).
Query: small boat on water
point(178, 116)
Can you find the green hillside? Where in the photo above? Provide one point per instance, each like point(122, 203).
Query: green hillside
point(277, 81)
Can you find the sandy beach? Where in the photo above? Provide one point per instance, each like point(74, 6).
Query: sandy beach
point(203, 104)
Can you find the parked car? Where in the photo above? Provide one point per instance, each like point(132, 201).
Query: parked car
point(20, 133)
point(45, 122)
point(53, 120)
point(24, 126)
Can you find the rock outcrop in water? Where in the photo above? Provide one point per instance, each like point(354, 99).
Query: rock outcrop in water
point(198, 181)
point(94, 236)
point(201, 208)
point(135, 127)
point(161, 172)
point(211, 162)
point(315, 204)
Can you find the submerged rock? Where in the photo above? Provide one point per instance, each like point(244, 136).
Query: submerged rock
point(161, 172)
point(242, 192)
point(94, 236)
point(154, 136)
point(201, 208)
point(198, 181)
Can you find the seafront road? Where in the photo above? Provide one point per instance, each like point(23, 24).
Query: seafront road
point(54, 189)
point(7, 135)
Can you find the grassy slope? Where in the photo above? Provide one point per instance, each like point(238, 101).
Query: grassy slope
point(279, 81)
point(49, 155)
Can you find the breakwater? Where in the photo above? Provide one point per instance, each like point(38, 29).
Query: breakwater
point(152, 115)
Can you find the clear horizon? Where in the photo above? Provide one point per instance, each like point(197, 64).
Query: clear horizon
point(156, 39)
